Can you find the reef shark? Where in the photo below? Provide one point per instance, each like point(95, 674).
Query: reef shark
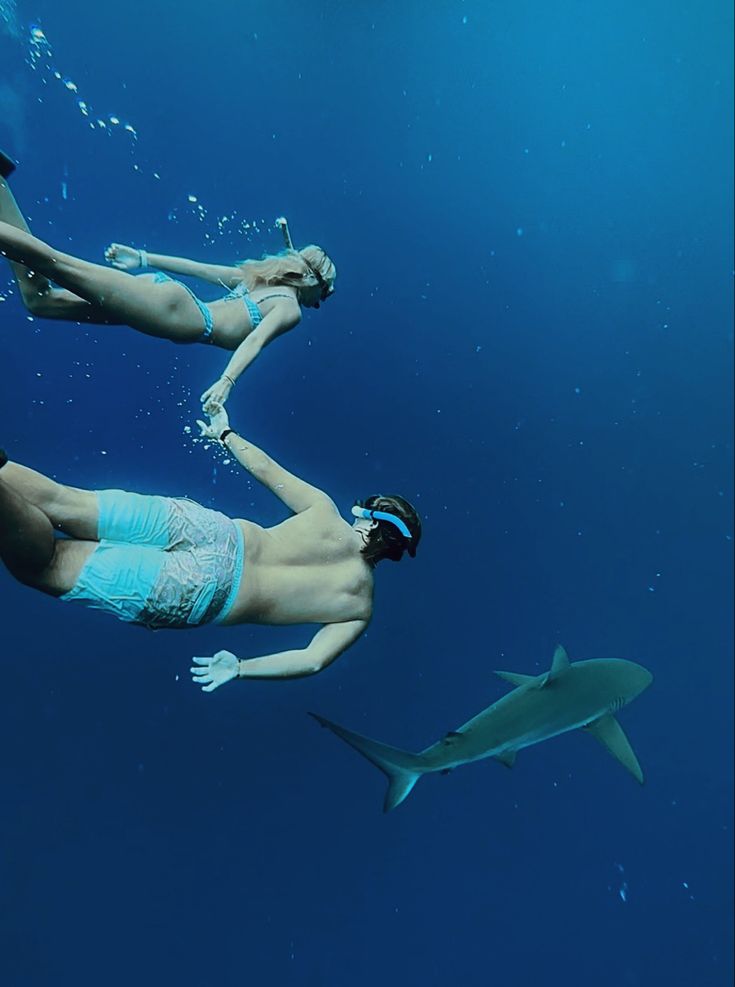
point(570, 696)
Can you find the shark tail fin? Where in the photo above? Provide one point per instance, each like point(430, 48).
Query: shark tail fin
point(401, 768)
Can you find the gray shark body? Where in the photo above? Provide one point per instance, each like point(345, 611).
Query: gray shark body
point(570, 696)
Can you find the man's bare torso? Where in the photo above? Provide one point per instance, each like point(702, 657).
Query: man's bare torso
point(307, 569)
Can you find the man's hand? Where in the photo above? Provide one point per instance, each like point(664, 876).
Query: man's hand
point(213, 672)
point(216, 394)
point(218, 422)
point(124, 258)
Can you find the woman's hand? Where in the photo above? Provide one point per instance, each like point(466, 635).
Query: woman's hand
point(218, 422)
point(125, 258)
point(217, 394)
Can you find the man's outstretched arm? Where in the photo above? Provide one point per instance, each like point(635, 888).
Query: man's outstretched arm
point(296, 494)
point(326, 645)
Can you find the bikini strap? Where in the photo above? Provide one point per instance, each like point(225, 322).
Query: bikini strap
point(276, 294)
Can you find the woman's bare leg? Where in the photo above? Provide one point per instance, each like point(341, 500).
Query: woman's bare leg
point(29, 549)
point(163, 310)
point(38, 294)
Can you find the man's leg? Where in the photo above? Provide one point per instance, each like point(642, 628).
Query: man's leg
point(29, 549)
point(68, 509)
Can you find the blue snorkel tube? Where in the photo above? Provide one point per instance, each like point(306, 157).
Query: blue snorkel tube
point(369, 515)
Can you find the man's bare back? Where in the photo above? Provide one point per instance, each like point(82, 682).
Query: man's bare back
point(307, 570)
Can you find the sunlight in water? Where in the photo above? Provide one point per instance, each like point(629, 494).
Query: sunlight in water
point(9, 18)
point(41, 59)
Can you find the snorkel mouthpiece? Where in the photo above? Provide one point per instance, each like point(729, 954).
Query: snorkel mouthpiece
point(365, 512)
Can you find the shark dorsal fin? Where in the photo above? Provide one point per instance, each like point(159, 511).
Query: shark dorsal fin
point(610, 734)
point(559, 663)
point(508, 758)
point(515, 678)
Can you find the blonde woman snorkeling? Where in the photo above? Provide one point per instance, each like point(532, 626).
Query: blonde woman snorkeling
point(264, 299)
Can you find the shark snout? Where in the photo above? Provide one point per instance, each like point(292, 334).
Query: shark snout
point(635, 679)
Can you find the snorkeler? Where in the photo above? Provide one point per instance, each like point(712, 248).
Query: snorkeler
point(169, 563)
point(264, 300)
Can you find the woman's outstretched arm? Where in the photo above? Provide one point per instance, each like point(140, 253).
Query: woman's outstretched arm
point(280, 319)
point(130, 259)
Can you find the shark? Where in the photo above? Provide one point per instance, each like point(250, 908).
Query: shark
point(575, 695)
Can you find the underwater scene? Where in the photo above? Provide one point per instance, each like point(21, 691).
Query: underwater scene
point(366, 502)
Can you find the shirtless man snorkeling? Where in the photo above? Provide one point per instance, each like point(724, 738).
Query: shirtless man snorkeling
point(168, 563)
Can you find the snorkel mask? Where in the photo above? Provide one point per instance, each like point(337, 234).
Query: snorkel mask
point(325, 289)
point(365, 512)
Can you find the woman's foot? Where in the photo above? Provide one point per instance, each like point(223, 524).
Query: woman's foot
point(7, 165)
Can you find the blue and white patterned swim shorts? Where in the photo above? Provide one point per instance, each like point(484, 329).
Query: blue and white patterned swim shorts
point(161, 562)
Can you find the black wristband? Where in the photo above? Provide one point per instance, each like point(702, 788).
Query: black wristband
point(227, 431)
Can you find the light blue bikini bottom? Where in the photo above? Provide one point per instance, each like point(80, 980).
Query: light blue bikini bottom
point(256, 316)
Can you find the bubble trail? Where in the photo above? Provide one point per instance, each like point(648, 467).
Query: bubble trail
point(41, 59)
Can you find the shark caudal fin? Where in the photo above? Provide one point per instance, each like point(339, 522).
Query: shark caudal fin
point(401, 768)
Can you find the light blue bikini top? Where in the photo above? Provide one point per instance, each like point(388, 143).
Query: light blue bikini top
point(242, 291)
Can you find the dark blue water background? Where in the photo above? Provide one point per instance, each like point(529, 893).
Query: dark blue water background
point(529, 205)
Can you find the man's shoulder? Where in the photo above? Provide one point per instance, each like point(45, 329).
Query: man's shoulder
point(325, 511)
point(323, 522)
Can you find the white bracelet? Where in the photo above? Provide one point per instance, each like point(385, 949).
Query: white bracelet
point(143, 257)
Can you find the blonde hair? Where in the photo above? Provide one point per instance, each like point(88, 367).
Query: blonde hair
point(298, 269)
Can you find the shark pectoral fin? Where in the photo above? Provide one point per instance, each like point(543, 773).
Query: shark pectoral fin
point(508, 758)
point(610, 734)
point(515, 678)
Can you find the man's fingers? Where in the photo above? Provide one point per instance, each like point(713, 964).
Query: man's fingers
point(210, 688)
point(201, 661)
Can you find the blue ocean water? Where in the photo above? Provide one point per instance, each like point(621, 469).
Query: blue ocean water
point(530, 210)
